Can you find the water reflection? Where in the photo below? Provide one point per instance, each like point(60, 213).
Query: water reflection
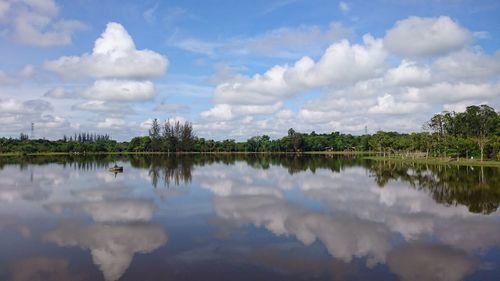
point(475, 187)
point(360, 220)
point(122, 228)
point(267, 217)
point(112, 246)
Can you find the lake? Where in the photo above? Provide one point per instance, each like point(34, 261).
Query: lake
point(236, 217)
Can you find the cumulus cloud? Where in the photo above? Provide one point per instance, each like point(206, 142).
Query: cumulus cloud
point(122, 72)
point(453, 92)
point(342, 63)
point(37, 23)
point(57, 93)
point(112, 246)
point(408, 73)
point(114, 56)
point(420, 37)
point(110, 123)
point(120, 90)
point(468, 66)
point(388, 105)
point(359, 86)
point(342, 66)
point(104, 107)
point(228, 111)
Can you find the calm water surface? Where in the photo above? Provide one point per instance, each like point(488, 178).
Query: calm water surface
point(246, 218)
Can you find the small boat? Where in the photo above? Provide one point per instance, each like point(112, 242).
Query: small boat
point(116, 169)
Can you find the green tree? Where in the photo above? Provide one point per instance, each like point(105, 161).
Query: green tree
point(154, 135)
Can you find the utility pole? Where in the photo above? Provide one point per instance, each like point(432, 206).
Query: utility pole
point(366, 130)
point(32, 130)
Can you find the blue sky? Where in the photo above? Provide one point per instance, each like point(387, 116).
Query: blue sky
point(238, 68)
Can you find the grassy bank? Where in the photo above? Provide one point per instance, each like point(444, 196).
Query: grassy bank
point(438, 161)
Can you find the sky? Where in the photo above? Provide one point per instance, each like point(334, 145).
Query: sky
point(236, 69)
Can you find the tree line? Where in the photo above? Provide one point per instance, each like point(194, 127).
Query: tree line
point(474, 133)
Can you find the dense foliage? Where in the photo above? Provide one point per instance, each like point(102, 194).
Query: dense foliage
point(473, 133)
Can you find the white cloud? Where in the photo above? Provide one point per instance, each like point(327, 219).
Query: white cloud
point(420, 37)
point(56, 93)
point(468, 66)
point(195, 45)
point(453, 92)
point(341, 64)
point(285, 114)
point(149, 14)
point(103, 106)
point(114, 56)
point(461, 106)
point(120, 90)
point(314, 116)
point(219, 112)
point(110, 123)
point(16, 116)
point(388, 105)
point(30, 106)
point(52, 122)
point(228, 112)
point(408, 73)
point(285, 42)
point(37, 23)
point(344, 7)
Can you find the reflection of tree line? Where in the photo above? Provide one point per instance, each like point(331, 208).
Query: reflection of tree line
point(478, 188)
point(171, 170)
point(79, 162)
point(178, 169)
